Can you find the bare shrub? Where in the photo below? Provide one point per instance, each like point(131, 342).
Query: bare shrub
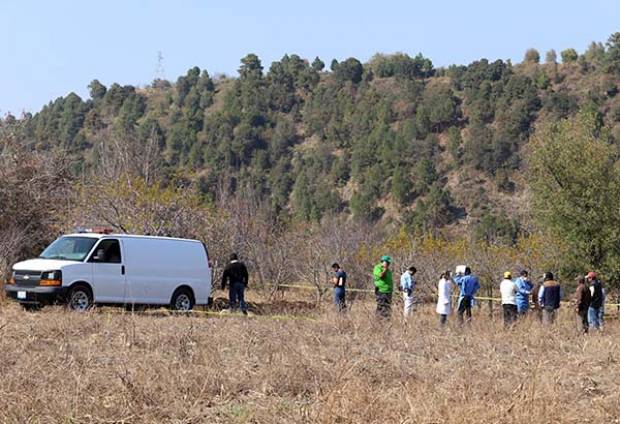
point(35, 196)
point(335, 239)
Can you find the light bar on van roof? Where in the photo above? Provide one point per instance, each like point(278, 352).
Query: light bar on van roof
point(94, 230)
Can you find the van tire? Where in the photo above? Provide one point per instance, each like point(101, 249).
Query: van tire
point(182, 300)
point(80, 298)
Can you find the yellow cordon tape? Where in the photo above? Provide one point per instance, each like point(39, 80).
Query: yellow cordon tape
point(566, 302)
point(493, 299)
point(223, 314)
point(297, 286)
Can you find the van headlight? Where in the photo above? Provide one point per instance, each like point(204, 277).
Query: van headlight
point(51, 278)
point(11, 280)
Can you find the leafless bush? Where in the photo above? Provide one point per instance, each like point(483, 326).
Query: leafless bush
point(35, 196)
point(335, 239)
point(116, 154)
point(246, 226)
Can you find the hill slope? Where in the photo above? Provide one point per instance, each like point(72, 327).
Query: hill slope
point(394, 139)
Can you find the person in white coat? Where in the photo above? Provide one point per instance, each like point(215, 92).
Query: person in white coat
point(444, 297)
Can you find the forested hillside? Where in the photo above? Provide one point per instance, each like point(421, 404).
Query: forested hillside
point(391, 140)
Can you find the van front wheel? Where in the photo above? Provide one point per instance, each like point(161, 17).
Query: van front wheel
point(79, 299)
point(182, 300)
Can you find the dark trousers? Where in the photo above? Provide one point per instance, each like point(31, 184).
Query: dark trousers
point(582, 315)
point(339, 299)
point(548, 315)
point(464, 308)
point(510, 314)
point(236, 297)
point(442, 319)
point(384, 304)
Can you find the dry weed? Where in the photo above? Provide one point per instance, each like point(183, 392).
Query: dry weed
point(58, 366)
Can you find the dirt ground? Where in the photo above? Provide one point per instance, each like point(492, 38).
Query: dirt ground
point(295, 362)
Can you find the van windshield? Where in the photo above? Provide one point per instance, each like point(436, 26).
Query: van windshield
point(69, 248)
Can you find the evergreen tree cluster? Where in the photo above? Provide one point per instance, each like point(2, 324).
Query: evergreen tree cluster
point(384, 137)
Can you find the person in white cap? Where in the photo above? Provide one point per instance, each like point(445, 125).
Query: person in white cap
point(508, 289)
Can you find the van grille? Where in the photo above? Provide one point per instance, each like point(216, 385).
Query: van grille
point(27, 278)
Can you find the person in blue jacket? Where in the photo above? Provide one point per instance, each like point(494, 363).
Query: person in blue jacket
point(468, 285)
point(524, 289)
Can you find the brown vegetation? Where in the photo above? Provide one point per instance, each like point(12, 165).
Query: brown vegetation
point(99, 367)
point(35, 196)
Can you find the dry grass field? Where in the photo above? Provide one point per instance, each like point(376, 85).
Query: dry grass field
point(57, 366)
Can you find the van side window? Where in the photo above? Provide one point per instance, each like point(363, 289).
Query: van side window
point(107, 251)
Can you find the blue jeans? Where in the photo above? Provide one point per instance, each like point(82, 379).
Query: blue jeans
point(236, 295)
point(339, 298)
point(595, 317)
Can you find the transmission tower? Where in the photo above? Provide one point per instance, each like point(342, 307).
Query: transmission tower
point(160, 73)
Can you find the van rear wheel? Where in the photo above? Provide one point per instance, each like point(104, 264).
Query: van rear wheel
point(80, 299)
point(182, 300)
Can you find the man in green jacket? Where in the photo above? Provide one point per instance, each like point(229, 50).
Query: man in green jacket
point(383, 286)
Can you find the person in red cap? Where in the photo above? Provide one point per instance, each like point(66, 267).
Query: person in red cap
point(597, 301)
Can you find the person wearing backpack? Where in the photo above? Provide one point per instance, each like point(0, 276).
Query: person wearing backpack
point(596, 303)
point(582, 303)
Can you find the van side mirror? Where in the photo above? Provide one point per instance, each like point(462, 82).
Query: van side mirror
point(99, 255)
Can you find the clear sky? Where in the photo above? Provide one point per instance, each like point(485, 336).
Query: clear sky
point(49, 48)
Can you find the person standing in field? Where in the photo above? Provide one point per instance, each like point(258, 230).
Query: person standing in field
point(537, 308)
point(339, 280)
point(601, 312)
point(444, 297)
point(384, 285)
point(468, 285)
point(524, 288)
point(508, 289)
point(595, 314)
point(582, 303)
point(407, 284)
point(237, 277)
point(549, 297)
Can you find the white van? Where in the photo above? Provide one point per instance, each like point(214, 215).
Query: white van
point(86, 269)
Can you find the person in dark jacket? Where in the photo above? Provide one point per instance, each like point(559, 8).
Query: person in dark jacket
point(340, 281)
point(236, 276)
point(582, 303)
point(549, 297)
point(537, 309)
point(596, 303)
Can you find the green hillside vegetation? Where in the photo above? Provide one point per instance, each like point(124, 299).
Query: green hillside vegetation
point(394, 140)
